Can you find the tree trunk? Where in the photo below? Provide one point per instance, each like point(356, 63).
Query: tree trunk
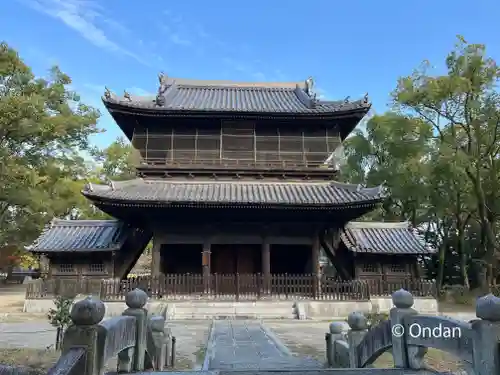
point(461, 225)
point(441, 260)
point(486, 228)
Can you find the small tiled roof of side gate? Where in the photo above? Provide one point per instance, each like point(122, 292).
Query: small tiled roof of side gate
point(80, 235)
point(383, 238)
point(251, 193)
point(180, 95)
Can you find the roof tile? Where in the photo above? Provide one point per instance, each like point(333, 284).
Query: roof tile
point(80, 235)
point(236, 97)
point(236, 192)
point(383, 238)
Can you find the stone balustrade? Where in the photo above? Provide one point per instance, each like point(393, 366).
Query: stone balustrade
point(139, 341)
point(408, 335)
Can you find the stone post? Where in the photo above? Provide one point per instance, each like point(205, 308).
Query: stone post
point(486, 351)
point(359, 326)
point(86, 316)
point(337, 332)
point(157, 324)
point(403, 302)
point(136, 300)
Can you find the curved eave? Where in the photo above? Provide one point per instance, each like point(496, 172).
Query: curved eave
point(72, 251)
point(236, 205)
point(133, 108)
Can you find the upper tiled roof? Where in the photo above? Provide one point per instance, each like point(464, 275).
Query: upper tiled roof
point(255, 193)
point(379, 237)
point(224, 96)
point(80, 235)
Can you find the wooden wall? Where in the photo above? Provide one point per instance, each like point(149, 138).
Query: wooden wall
point(94, 265)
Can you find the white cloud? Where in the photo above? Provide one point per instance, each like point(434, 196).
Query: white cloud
point(83, 16)
point(179, 40)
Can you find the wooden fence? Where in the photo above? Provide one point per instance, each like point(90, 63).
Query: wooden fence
point(228, 287)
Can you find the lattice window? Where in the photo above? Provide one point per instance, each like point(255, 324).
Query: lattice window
point(370, 267)
point(66, 268)
point(243, 143)
point(97, 267)
point(398, 268)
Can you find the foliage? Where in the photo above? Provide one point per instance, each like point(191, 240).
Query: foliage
point(375, 317)
point(43, 129)
point(60, 316)
point(437, 154)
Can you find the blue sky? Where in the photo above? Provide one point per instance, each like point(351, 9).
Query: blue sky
point(349, 47)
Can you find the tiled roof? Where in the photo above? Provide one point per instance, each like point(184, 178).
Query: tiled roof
point(254, 193)
point(80, 235)
point(220, 96)
point(379, 237)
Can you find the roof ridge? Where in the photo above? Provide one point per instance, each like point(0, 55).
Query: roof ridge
point(230, 83)
point(378, 225)
point(234, 87)
point(85, 222)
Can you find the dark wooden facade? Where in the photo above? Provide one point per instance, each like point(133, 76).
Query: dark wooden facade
point(238, 178)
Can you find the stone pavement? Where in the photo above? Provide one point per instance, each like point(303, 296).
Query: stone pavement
point(240, 345)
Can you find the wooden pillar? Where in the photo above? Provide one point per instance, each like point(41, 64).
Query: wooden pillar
point(205, 262)
point(156, 258)
point(266, 265)
point(315, 252)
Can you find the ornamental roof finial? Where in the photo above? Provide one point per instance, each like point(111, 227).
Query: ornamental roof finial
point(107, 93)
point(365, 98)
point(346, 100)
point(162, 78)
point(126, 95)
point(88, 186)
point(309, 85)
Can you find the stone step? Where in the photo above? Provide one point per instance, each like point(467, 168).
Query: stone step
point(228, 309)
point(273, 304)
point(200, 316)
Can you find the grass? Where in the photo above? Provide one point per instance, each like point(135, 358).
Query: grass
point(436, 359)
point(37, 361)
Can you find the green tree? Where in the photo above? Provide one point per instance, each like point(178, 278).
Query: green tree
point(43, 129)
point(117, 161)
point(463, 109)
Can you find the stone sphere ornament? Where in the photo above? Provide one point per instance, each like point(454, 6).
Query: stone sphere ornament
point(136, 299)
point(357, 321)
point(488, 308)
point(402, 299)
point(87, 312)
point(337, 328)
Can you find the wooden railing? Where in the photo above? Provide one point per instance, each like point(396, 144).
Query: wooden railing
point(229, 287)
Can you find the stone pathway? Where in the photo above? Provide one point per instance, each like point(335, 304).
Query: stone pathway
point(240, 345)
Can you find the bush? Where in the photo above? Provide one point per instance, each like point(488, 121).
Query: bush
point(60, 317)
point(375, 317)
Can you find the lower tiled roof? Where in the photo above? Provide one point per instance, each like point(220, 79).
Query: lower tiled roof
point(383, 238)
point(80, 235)
point(256, 193)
